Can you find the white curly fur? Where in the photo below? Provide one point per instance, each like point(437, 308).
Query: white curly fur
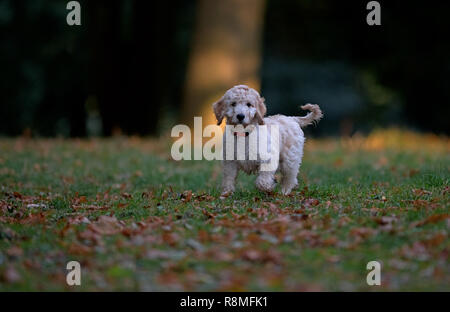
point(243, 100)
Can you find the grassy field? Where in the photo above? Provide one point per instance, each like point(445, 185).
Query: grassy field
point(137, 220)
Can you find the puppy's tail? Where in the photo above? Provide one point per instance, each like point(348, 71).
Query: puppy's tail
point(312, 117)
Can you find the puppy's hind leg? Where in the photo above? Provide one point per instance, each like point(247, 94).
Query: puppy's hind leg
point(289, 172)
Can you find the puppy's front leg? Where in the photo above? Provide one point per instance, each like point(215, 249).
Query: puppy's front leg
point(265, 181)
point(230, 171)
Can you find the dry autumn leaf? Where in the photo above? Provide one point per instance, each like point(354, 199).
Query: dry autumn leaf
point(431, 219)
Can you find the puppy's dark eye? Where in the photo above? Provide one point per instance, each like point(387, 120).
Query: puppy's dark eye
point(233, 104)
point(249, 105)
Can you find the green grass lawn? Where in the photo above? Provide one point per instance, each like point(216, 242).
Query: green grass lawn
point(136, 220)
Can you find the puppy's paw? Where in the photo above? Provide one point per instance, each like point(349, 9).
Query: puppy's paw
point(265, 184)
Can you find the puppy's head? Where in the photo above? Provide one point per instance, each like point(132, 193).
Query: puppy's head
point(241, 105)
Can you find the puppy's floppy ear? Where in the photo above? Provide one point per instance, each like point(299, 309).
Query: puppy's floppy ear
point(219, 110)
point(260, 110)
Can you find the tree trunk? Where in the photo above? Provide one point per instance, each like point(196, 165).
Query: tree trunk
point(226, 51)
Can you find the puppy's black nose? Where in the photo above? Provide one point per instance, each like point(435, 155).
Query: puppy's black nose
point(240, 117)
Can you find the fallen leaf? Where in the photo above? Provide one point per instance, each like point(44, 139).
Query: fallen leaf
point(431, 219)
point(126, 195)
point(311, 202)
point(385, 220)
point(17, 195)
point(186, 196)
point(363, 232)
point(79, 249)
point(170, 238)
point(14, 251)
point(421, 192)
point(252, 255)
point(435, 240)
point(106, 225)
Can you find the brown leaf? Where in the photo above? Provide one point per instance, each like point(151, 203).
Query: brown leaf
point(330, 241)
point(149, 194)
point(80, 219)
point(14, 251)
point(203, 197)
point(186, 196)
point(363, 232)
point(421, 192)
point(79, 249)
point(413, 172)
point(170, 238)
point(311, 202)
point(171, 279)
point(17, 195)
point(128, 232)
point(106, 225)
point(299, 217)
point(431, 219)
point(436, 240)
point(34, 218)
point(126, 195)
point(334, 259)
point(252, 255)
point(89, 207)
point(77, 200)
point(89, 235)
point(384, 220)
point(203, 236)
point(417, 251)
point(343, 221)
point(209, 214)
point(220, 255)
point(446, 190)
point(262, 212)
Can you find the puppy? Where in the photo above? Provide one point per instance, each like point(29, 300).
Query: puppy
point(243, 106)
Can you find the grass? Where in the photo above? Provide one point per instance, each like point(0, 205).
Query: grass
point(136, 220)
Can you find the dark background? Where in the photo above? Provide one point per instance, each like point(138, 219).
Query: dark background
point(124, 70)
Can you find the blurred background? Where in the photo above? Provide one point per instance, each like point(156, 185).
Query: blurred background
point(139, 67)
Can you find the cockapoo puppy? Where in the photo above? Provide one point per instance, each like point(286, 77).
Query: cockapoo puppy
point(242, 106)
